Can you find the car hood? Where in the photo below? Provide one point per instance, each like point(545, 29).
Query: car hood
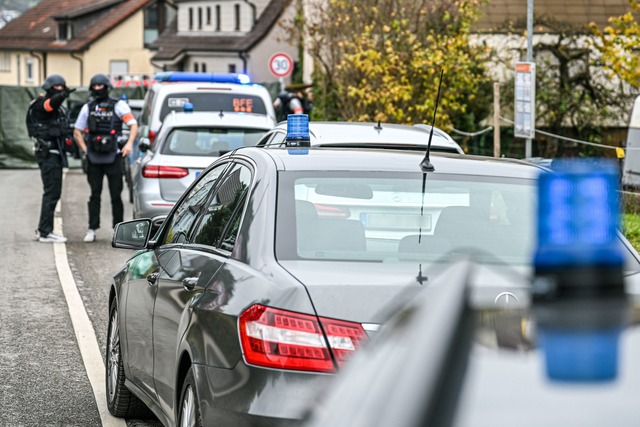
point(363, 291)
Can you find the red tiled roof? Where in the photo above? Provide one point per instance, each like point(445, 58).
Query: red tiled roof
point(36, 28)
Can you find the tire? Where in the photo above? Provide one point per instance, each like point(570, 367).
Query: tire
point(189, 409)
point(120, 401)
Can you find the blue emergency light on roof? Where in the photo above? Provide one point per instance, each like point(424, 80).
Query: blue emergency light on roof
point(187, 107)
point(188, 76)
point(298, 131)
point(578, 215)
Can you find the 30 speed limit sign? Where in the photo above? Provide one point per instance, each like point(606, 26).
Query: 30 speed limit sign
point(280, 64)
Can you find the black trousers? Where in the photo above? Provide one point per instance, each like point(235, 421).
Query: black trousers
point(95, 177)
point(51, 173)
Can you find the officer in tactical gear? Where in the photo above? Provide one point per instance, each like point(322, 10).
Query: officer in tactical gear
point(287, 103)
point(97, 132)
point(49, 125)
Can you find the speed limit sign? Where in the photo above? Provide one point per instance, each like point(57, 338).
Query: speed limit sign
point(280, 64)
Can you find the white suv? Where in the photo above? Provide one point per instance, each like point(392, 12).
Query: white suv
point(215, 92)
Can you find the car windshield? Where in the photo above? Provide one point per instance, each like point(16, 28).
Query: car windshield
point(386, 217)
point(205, 141)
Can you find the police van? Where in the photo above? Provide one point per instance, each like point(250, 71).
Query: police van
point(215, 92)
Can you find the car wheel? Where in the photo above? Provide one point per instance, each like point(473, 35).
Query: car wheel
point(120, 401)
point(189, 415)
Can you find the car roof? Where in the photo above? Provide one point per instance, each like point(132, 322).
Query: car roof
point(211, 119)
point(368, 133)
point(323, 158)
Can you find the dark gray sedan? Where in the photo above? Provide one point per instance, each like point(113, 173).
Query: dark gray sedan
point(272, 268)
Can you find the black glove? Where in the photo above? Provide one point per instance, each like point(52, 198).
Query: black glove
point(66, 92)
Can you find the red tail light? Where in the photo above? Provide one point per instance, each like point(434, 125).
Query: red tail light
point(286, 340)
point(154, 171)
point(325, 211)
point(152, 136)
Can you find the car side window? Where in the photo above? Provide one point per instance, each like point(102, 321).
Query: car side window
point(278, 140)
point(184, 216)
point(223, 215)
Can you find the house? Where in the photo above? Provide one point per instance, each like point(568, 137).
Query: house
point(228, 36)
point(79, 38)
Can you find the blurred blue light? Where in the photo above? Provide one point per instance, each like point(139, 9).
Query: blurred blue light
point(188, 76)
point(297, 130)
point(187, 107)
point(580, 356)
point(578, 215)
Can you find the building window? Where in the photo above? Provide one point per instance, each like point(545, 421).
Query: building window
point(204, 67)
point(218, 18)
point(5, 62)
point(195, 67)
point(191, 18)
point(65, 31)
point(118, 67)
point(151, 24)
point(236, 9)
point(208, 16)
point(199, 18)
point(29, 69)
point(232, 68)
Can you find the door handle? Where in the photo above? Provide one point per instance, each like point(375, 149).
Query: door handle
point(189, 283)
point(152, 278)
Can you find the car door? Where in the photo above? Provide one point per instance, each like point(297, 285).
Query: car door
point(190, 271)
point(149, 269)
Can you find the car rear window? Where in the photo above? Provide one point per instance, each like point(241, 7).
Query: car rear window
point(204, 141)
point(213, 101)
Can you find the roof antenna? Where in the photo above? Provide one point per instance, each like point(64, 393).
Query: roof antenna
point(378, 127)
point(221, 115)
point(426, 165)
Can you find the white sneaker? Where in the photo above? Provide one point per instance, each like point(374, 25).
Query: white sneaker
point(52, 238)
point(90, 236)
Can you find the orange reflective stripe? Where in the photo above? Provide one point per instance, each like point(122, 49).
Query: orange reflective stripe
point(47, 106)
point(298, 110)
point(127, 117)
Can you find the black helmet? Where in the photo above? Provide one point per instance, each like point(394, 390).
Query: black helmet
point(100, 79)
point(52, 80)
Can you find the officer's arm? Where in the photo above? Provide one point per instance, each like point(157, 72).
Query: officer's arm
point(128, 147)
point(78, 137)
point(53, 103)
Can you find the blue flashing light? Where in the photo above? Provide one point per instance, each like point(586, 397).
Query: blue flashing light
point(124, 97)
point(195, 77)
point(187, 107)
point(584, 356)
point(297, 130)
point(578, 215)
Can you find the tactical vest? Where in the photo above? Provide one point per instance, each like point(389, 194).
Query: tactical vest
point(48, 127)
point(104, 126)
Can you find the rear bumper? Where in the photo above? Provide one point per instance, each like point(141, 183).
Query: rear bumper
point(250, 396)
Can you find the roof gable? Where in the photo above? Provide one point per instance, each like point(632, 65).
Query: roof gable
point(36, 29)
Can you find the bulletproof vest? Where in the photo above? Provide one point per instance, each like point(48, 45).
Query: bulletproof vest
point(103, 119)
point(48, 126)
point(104, 126)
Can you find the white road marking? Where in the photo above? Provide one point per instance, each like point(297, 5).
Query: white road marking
point(85, 334)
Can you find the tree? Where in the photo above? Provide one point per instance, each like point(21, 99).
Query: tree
point(619, 43)
point(381, 60)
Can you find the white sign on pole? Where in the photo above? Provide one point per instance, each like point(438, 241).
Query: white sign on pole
point(525, 100)
point(280, 64)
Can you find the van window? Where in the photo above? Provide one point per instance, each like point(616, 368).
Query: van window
point(207, 101)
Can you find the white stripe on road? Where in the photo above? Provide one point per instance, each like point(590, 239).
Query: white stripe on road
point(85, 334)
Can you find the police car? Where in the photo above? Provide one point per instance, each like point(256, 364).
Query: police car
point(187, 143)
point(367, 135)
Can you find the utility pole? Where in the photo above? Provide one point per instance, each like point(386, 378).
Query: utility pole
point(528, 150)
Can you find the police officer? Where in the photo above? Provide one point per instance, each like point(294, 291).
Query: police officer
point(287, 103)
point(98, 129)
point(48, 123)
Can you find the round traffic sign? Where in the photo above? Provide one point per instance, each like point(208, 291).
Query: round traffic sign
point(280, 64)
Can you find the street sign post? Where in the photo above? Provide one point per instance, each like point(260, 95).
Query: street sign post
point(525, 100)
point(280, 64)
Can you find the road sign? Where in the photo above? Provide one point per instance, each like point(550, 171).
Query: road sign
point(525, 100)
point(280, 64)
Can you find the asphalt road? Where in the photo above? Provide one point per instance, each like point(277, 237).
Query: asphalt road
point(43, 379)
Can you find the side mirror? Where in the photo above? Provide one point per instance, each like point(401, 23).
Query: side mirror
point(132, 234)
point(144, 144)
